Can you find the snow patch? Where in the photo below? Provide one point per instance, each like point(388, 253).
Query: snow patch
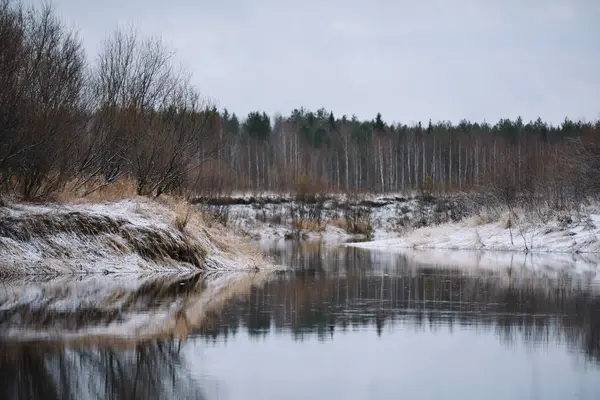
point(134, 235)
point(556, 236)
point(269, 218)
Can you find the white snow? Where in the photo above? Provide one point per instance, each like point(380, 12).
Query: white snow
point(272, 221)
point(529, 235)
point(74, 253)
point(394, 220)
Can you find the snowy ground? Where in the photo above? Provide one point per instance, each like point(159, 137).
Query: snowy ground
point(135, 235)
point(447, 223)
point(540, 240)
point(552, 236)
point(270, 217)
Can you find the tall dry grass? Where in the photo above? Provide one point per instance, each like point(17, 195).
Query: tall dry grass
point(310, 225)
point(96, 191)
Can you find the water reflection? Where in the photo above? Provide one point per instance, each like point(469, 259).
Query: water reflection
point(335, 289)
point(151, 370)
point(107, 337)
point(371, 313)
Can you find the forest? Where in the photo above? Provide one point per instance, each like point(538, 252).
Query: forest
point(348, 155)
point(130, 114)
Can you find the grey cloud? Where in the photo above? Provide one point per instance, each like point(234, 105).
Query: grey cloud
point(409, 60)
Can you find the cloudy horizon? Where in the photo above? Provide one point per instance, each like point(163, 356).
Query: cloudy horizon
point(439, 60)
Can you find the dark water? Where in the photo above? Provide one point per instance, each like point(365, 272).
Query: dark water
point(343, 324)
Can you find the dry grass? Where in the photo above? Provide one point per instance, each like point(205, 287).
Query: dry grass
point(28, 227)
point(478, 239)
point(507, 221)
point(183, 213)
point(151, 244)
point(309, 225)
point(76, 230)
point(483, 218)
point(211, 217)
point(235, 247)
point(97, 191)
point(159, 246)
point(363, 227)
point(275, 219)
point(201, 224)
point(340, 223)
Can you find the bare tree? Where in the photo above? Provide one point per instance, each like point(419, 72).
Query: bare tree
point(153, 123)
point(42, 73)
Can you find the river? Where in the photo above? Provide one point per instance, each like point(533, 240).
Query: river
point(341, 323)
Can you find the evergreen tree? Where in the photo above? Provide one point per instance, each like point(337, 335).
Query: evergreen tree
point(379, 124)
point(258, 126)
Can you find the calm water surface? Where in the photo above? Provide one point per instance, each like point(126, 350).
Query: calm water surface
point(341, 324)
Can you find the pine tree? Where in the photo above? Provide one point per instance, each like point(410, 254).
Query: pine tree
point(379, 124)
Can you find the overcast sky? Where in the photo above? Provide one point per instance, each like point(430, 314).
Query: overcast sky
point(409, 60)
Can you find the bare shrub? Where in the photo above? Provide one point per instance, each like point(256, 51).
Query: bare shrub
point(358, 220)
point(42, 75)
point(277, 216)
point(339, 223)
point(261, 211)
point(150, 121)
point(309, 225)
point(219, 213)
point(96, 190)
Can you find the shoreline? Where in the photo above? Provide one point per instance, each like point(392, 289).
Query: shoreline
point(445, 223)
point(550, 237)
point(142, 235)
point(134, 235)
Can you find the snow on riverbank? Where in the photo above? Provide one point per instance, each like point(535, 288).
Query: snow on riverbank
point(135, 235)
point(570, 235)
point(280, 218)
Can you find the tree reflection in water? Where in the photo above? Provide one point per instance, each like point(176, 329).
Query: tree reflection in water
point(151, 370)
point(339, 289)
point(107, 338)
point(326, 291)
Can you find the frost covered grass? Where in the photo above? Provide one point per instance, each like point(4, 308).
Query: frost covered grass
point(323, 217)
point(519, 230)
point(131, 235)
point(461, 222)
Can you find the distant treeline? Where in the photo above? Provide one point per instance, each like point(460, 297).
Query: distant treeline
point(66, 121)
point(327, 153)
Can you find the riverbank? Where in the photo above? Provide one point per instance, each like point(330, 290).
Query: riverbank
point(521, 231)
point(332, 218)
point(131, 235)
point(388, 222)
point(138, 234)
